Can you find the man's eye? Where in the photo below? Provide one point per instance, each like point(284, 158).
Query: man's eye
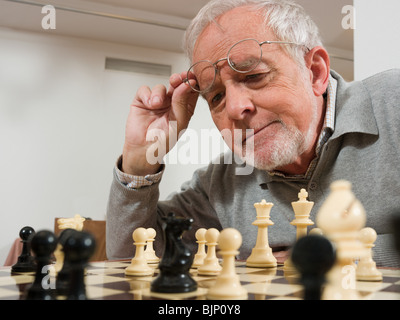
point(256, 76)
point(217, 98)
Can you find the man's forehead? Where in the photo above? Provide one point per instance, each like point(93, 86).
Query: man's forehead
point(229, 28)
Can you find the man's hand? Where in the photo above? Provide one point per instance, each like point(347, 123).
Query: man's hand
point(151, 113)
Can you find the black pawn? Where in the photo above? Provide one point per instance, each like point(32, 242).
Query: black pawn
point(313, 256)
point(78, 248)
point(63, 276)
point(43, 245)
point(25, 262)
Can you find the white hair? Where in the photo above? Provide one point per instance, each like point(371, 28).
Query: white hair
point(287, 19)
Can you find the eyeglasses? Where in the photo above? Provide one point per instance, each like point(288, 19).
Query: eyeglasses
point(243, 57)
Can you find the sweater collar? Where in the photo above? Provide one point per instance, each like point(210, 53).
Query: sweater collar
point(354, 112)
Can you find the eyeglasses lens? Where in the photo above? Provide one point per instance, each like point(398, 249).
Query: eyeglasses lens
point(243, 57)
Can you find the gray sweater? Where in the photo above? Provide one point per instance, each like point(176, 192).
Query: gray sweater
point(363, 149)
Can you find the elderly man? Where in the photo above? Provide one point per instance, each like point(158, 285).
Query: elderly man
point(261, 67)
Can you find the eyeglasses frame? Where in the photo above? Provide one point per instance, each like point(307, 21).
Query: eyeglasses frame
point(186, 80)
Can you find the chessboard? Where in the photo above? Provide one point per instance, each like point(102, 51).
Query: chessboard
point(106, 280)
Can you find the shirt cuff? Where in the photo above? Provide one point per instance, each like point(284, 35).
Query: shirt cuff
point(136, 182)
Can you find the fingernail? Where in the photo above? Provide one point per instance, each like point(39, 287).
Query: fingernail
point(156, 100)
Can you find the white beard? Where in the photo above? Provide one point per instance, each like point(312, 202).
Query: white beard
point(282, 149)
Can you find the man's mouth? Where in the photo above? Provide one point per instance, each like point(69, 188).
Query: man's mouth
point(250, 133)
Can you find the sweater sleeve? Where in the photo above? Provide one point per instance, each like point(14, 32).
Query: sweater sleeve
point(129, 209)
point(384, 252)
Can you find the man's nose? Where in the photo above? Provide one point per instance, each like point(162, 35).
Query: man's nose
point(239, 104)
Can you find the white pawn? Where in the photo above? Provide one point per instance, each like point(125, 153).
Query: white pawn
point(227, 285)
point(139, 266)
point(201, 252)
point(149, 253)
point(211, 266)
point(366, 268)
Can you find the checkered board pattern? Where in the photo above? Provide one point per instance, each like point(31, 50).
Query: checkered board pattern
point(107, 281)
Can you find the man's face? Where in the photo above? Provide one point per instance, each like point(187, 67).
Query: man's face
point(276, 99)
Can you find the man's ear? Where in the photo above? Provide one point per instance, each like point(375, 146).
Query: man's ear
point(318, 62)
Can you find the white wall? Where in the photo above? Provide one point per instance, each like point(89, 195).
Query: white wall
point(62, 119)
point(376, 37)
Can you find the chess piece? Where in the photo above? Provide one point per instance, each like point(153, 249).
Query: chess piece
point(149, 252)
point(174, 276)
point(211, 266)
point(25, 262)
point(366, 268)
point(261, 255)
point(201, 251)
point(78, 248)
point(139, 266)
point(43, 243)
point(71, 223)
point(59, 253)
point(62, 266)
point(316, 231)
point(227, 285)
point(302, 209)
point(313, 256)
point(341, 217)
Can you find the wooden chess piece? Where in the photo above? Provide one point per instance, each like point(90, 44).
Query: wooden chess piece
point(366, 268)
point(211, 266)
point(261, 255)
point(227, 285)
point(139, 266)
point(43, 243)
point(201, 251)
point(174, 276)
point(25, 262)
